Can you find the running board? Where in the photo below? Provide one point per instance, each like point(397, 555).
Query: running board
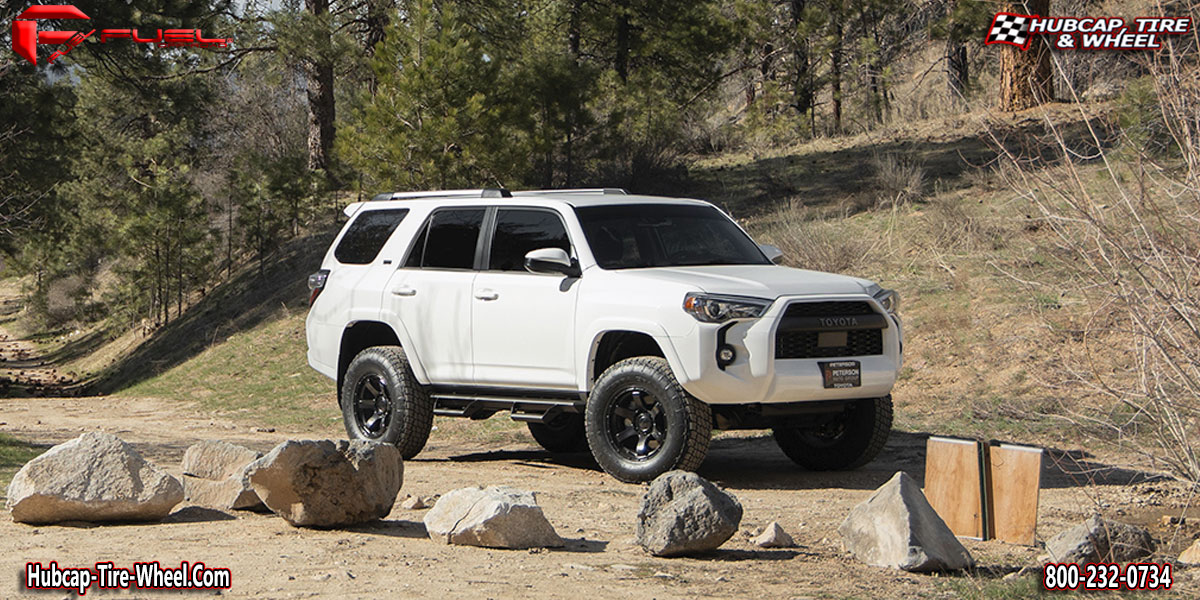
point(526, 410)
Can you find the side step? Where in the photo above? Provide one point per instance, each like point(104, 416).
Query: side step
point(523, 409)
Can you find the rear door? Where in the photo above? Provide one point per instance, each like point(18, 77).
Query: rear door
point(431, 293)
point(523, 324)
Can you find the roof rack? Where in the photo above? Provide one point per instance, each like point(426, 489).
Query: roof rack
point(605, 191)
point(493, 193)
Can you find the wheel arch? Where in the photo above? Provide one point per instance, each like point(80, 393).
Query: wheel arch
point(360, 335)
point(611, 345)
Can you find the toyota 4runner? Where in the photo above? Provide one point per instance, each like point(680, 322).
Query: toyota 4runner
point(628, 325)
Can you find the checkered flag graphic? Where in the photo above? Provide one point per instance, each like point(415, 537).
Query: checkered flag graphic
point(1008, 28)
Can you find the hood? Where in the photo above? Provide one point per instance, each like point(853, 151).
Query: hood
point(761, 281)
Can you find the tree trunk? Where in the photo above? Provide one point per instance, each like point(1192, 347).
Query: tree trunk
point(802, 92)
point(319, 76)
point(1025, 75)
point(956, 68)
point(377, 19)
point(835, 68)
point(622, 57)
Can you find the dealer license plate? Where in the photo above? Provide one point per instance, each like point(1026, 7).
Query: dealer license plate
point(841, 374)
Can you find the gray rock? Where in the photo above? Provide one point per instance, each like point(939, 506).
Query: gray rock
point(496, 517)
point(1100, 540)
point(326, 483)
point(215, 459)
point(773, 536)
point(683, 514)
point(896, 527)
point(95, 477)
point(215, 475)
point(231, 493)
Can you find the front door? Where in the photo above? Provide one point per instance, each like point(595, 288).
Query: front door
point(523, 324)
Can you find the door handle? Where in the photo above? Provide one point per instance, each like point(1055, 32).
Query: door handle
point(486, 295)
point(404, 291)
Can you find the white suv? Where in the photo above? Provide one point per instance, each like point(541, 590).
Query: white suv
point(628, 325)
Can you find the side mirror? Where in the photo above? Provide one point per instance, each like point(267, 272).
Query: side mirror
point(774, 254)
point(551, 260)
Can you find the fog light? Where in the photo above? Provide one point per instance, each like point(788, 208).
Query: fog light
point(726, 355)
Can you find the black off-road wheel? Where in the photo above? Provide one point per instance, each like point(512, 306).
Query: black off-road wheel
point(383, 402)
point(563, 433)
point(848, 441)
point(641, 423)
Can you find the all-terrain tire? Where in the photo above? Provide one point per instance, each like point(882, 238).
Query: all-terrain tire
point(382, 401)
point(850, 442)
point(641, 423)
point(564, 433)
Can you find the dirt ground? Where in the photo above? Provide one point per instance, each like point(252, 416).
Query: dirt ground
point(595, 513)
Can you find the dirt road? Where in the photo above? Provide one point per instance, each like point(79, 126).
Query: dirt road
point(595, 513)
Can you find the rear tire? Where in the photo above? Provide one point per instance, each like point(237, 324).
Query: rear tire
point(641, 423)
point(848, 442)
point(382, 401)
point(564, 433)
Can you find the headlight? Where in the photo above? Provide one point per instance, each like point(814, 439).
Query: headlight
point(889, 299)
point(710, 308)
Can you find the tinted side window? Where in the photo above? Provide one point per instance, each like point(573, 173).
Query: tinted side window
point(451, 238)
point(519, 231)
point(367, 235)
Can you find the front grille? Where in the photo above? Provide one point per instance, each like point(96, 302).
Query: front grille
point(804, 344)
point(828, 309)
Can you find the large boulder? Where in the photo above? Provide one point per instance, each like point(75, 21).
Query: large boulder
point(1100, 540)
point(896, 527)
point(684, 513)
point(215, 474)
point(95, 477)
point(495, 517)
point(326, 483)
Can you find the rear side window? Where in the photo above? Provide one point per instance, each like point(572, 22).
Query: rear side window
point(367, 235)
point(449, 240)
point(519, 231)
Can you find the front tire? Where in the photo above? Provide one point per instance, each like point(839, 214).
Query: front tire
point(382, 401)
point(849, 441)
point(641, 423)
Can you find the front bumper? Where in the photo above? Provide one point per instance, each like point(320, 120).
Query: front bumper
point(756, 376)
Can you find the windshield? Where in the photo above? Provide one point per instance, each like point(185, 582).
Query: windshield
point(627, 236)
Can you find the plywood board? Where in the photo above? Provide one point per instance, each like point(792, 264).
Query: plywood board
point(1015, 473)
point(953, 477)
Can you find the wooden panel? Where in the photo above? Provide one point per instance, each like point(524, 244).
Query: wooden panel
point(952, 484)
point(1015, 473)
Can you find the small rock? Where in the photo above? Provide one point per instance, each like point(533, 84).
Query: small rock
point(263, 430)
point(683, 513)
point(496, 517)
point(328, 483)
point(1100, 540)
point(773, 536)
point(95, 477)
point(663, 575)
point(1168, 520)
point(1191, 556)
point(896, 527)
point(413, 503)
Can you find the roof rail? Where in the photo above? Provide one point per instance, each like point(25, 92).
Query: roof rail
point(606, 191)
point(435, 194)
point(493, 193)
